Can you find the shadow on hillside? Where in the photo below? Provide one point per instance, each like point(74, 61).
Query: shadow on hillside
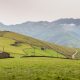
point(42, 57)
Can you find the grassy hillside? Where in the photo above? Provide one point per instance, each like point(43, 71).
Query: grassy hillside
point(19, 45)
point(39, 69)
point(24, 45)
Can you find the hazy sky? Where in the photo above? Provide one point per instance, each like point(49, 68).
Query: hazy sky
point(18, 11)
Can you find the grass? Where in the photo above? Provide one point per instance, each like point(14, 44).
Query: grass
point(7, 38)
point(39, 52)
point(39, 69)
point(25, 43)
point(18, 51)
point(6, 44)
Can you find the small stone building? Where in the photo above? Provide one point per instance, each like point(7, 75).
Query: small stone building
point(4, 55)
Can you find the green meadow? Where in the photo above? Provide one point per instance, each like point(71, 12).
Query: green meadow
point(33, 68)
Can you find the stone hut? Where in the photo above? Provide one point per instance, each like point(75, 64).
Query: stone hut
point(4, 55)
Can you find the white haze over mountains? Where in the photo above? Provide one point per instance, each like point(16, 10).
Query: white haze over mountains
point(69, 27)
point(63, 31)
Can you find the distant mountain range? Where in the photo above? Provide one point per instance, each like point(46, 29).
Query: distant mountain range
point(63, 31)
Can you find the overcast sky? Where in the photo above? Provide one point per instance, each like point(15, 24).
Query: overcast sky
point(18, 11)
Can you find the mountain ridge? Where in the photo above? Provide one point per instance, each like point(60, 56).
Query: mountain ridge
point(58, 31)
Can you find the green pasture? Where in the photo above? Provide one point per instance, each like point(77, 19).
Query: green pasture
point(33, 68)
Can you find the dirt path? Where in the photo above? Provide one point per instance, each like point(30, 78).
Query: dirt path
point(73, 56)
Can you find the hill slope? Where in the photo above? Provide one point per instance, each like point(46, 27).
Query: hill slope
point(19, 45)
point(26, 46)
